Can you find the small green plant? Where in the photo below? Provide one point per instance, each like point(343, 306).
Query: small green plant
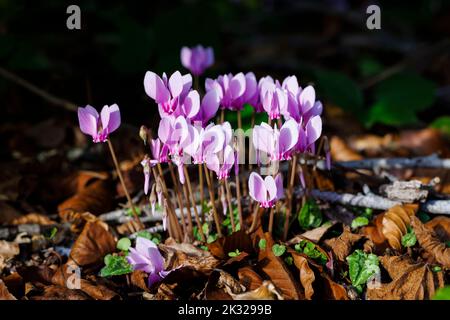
point(308, 248)
point(278, 249)
point(359, 222)
point(234, 253)
point(115, 265)
point(262, 244)
point(310, 215)
point(409, 239)
point(123, 244)
point(361, 267)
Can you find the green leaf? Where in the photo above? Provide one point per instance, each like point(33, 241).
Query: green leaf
point(423, 217)
point(442, 124)
point(289, 260)
point(436, 269)
point(144, 234)
point(124, 244)
point(409, 238)
point(310, 249)
point(115, 265)
point(211, 238)
point(399, 98)
point(129, 212)
point(362, 266)
point(442, 294)
point(310, 216)
point(341, 90)
point(52, 233)
point(369, 67)
point(234, 253)
point(262, 244)
point(359, 222)
point(278, 249)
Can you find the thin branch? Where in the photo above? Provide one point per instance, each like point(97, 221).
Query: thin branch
point(375, 202)
point(70, 106)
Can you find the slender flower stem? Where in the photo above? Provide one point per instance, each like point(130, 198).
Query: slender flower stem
point(230, 208)
point(238, 198)
point(202, 195)
point(222, 115)
point(255, 218)
point(188, 203)
point(213, 202)
point(197, 218)
point(290, 196)
point(165, 208)
point(272, 211)
point(170, 205)
point(180, 202)
point(124, 187)
point(239, 119)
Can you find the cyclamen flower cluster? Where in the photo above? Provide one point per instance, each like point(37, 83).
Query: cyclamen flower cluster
point(186, 131)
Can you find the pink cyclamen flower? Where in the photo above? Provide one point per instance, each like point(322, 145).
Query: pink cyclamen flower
point(197, 59)
point(146, 257)
point(230, 88)
point(99, 126)
point(173, 95)
point(209, 106)
point(265, 191)
point(273, 99)
point(221, 163)
point(278, 144)
point(204, 141)
point(309, 134)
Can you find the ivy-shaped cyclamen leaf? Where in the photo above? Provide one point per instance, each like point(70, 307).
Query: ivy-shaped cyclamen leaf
point(362, 266)
point(115, 266)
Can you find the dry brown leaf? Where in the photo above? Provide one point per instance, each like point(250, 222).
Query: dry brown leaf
point(94, 242)
point(8, 249)
point(342, 246)
point(423, 142)
point(333, 290)
point(61, 293)
point(4, 293)
point(97, 198)
point(340, 151)
point(275, 269)
point(76, 219)
point(374, 233)
point(187, 255)
point(430, 243)
point(267, 291)
point(314, 235)
point(239, 240)
point(249, 278)
point(440, 225)
point(306, 274)
point(395, 223)
point(410, 281)
point(34, 218)
point(220, 284)
point(139, 279)
point(97, 291)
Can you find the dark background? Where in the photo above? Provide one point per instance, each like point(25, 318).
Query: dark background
point(322, 42)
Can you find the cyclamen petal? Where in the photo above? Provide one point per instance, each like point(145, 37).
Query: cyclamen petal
point(264, 191)
point(197, 59)
point(99, 126)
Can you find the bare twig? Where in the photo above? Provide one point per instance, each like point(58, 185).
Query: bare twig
point(375, 202)
point(41, 93)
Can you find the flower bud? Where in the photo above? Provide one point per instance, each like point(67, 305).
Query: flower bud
point(143, 133)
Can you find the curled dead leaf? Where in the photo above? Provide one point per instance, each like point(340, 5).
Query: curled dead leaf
point(267, 291)
point(333, 290)
point(342, 246)
point(76, 219)
point(139, 279)
point(96, 197)
point(374, 233)
point(249, 278)
point(94, 242)
point(275, 269)
point(340, 151)
point(410, 280)
point(430, 243)
point(306, 274)
point(239, 240)
point(395, 223)
point(440, 225)
point(8, 249)
point(34, 218)
point(187, 255)
point(4, 293)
